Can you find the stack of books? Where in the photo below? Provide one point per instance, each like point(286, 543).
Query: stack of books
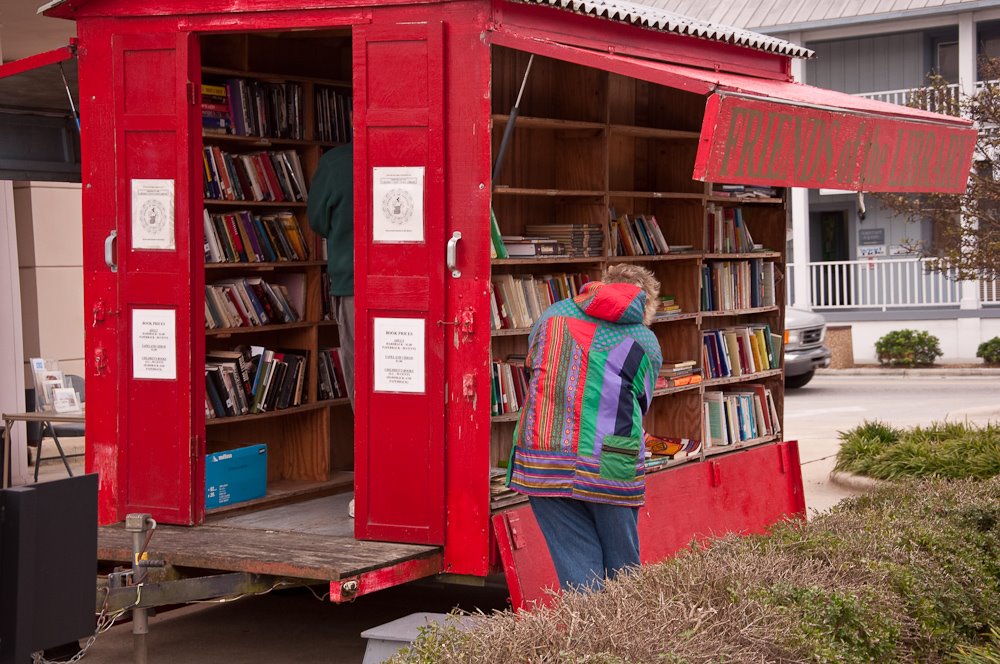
point(253, 380)
point(334, 114)
point(522, 246)
point(738, 351)
point(676, 373)
point(251, 301)
point(660, 449)
point(727, 285)
point(243, 237)
point(577, 239)
point(744, 191)
point(638, 235)
point(274, 176)
point(216, 116)
point(726, 233)
point(666, 307)
point(500, 495)
point(332, 384)
point(742, 415)
point(517, 302)
point(509, 386)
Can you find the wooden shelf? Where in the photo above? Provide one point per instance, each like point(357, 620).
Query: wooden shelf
point(250, 329)
point(263, 266)
point(745, 378)
point(652, 132)
point(670, 195)
point(294, 410)
point(529, 122)
point(676, 317)
point(263, 141)
point(722, 449)
point(252, 204)
point(510, 332)
point(503, 190)
point(265, 76)
point(664, 391)
point(680, 256)
point(506, 417)
point(741, 256)
point(738, 312)
point(547, 260)
point(281, 491)
point(733, 200)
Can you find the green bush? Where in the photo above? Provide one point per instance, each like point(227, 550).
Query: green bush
point(990, 351)
point(947, 450)
point(909, 573)
point(908, 348)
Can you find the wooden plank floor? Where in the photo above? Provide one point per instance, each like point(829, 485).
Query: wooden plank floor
point(310, 540)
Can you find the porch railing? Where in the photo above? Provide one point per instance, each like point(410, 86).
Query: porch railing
point(885, 284)
point(944, 100)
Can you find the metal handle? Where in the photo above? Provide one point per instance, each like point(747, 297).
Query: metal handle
point(452, 255)
point(109, 251)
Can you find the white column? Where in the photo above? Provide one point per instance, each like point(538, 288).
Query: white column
point(11, 342)
point(801, 278)
point(967, 75)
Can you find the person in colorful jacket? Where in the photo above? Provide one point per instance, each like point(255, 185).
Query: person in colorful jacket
point(579, 451)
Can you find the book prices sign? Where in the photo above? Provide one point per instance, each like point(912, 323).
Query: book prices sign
point(398, 204)
point(399, 346)
point(757, 142)
point(153, 214)
point(154, 344)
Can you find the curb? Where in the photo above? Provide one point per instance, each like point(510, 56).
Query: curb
point(856, 482)
point(878, 371)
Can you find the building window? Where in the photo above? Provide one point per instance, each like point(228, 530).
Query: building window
point(946, 58)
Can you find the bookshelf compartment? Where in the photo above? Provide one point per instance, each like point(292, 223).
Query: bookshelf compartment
point(652, 165)
point(559, 159)
point(642, 105)
point(555, 89)
point(676, 415)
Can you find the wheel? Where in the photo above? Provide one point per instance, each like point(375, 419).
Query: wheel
point(795, 382)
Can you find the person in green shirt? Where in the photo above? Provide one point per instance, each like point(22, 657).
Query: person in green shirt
point(331, 214)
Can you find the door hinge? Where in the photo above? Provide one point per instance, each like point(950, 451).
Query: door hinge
point(192, 97)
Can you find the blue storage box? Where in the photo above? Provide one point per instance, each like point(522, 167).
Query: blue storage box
point(234, 476)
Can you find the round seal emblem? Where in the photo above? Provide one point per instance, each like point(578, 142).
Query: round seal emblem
point(153, 216)
point(397, 206)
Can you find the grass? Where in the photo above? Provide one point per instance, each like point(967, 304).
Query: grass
point(910, 573)
point(942, 450)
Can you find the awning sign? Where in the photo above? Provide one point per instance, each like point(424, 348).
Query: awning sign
point(754, 141)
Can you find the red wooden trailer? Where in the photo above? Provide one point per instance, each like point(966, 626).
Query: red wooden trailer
point(626, 107)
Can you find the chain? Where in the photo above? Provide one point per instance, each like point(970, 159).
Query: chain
point(104, 623)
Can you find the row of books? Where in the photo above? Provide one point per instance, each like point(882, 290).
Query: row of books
point(517, 302)
point(726, 232)
point(269, 176)
point(243, 237)
point(252, 302)
point(744, 191)
point(334, 115)
point(332, 384)
point(738, 351)
point(253, 379)
point(248, 107)
point(745, 284)
point(576, 239)
point(636, 235)
point(737, 416)
point(509, 387)
point(664, 448)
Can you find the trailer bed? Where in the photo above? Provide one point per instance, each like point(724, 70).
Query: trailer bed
point(312, 540)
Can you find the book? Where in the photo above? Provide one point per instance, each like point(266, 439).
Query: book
point(497, 248)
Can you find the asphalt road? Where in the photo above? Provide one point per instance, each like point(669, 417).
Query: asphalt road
point(292, 626)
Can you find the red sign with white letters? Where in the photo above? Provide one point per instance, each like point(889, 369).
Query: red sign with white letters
point(758, 142)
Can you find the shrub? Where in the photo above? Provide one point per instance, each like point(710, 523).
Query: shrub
point(910, 573)
point(908, 348)
point(947, 450)
point(990, 351)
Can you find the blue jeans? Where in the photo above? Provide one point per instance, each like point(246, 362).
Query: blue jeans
point(589, 542)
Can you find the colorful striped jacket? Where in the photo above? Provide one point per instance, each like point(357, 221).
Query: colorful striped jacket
point(593, 367)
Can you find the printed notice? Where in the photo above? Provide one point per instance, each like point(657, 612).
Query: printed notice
point(398, 204)
point(399, 355)
point(153, 214)
point(154, 344)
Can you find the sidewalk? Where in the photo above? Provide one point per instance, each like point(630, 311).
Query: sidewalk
point(876, 370)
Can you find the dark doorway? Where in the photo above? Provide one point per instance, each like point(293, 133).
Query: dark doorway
point(832, 283)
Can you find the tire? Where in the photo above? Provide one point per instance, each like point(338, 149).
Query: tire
point(795, 382)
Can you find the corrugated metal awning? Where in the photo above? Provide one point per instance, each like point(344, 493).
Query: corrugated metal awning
point(664, 21)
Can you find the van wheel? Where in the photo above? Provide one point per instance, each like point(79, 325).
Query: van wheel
point(795, 382)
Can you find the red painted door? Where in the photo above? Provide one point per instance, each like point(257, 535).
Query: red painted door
point(155, 108)
point(399, 283)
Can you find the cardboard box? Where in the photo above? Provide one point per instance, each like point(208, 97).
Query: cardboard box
point(235, 476)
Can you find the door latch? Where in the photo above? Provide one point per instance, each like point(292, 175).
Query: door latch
point(100, 361)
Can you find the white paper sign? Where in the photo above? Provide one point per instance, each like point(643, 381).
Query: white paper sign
point(400, 353)
point(867, 252)
point(153, 214)
point(398, 204)
point(154, 343)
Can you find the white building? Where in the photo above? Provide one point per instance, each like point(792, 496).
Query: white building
point(852, 267)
